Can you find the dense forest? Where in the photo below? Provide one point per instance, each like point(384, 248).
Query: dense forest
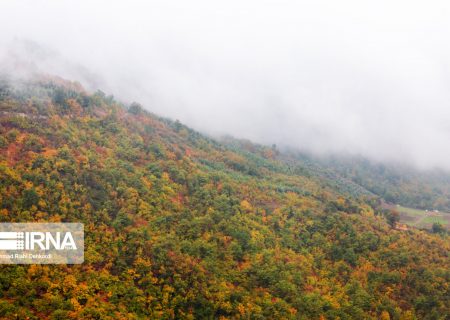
point(395, 183)
point(182, 226)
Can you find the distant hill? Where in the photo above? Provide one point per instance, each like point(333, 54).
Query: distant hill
point(395, 183)
point(182, 226)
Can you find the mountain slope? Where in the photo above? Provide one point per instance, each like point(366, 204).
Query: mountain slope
point(423, 189)
point(181, 226)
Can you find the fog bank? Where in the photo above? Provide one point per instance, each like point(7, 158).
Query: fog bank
point(327, 76)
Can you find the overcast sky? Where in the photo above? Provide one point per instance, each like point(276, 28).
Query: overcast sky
point(368, 77)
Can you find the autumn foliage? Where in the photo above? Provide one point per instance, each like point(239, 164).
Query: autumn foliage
point(181, 226)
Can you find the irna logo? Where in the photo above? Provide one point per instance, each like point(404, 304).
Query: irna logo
point(41, 243)
point(37, 240)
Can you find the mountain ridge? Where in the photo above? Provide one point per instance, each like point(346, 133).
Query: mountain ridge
point(180, 225)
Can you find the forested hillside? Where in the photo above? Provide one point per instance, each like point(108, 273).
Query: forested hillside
point(395, 183)
point(181, 226)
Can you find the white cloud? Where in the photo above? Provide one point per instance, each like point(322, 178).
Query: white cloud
point(356, 76)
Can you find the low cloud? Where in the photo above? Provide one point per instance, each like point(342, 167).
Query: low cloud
point(325, 76)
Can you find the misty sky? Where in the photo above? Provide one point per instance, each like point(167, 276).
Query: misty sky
point(368, 77)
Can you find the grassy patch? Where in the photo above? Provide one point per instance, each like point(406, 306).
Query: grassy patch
point(421, 218)
point(411, 211)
